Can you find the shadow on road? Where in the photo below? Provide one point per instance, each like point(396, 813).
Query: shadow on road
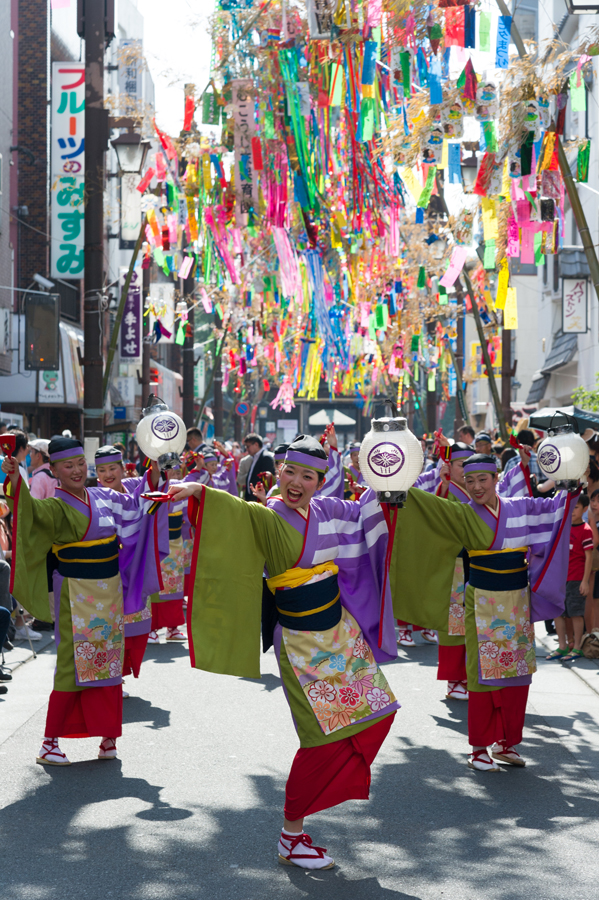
point(430, 819)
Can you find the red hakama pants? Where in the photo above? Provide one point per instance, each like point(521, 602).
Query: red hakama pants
point(92, 712)
point(325, 776)
point(407, 625)
point(496, 716)
point(452, 663)
point(167, 614)
point(135, 647)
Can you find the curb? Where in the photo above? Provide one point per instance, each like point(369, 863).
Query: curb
point(21, 654)
point(584, 669)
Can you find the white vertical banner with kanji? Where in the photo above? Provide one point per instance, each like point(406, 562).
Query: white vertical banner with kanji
point(131, 325)
point(67, 169)
point(246, 181)
point(574, 306)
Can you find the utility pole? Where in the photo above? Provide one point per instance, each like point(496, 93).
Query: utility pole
point(188, 360)
point(507, 372)
point(218, 384)
point(95, 23)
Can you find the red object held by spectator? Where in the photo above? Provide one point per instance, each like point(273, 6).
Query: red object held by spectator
point(7, 444)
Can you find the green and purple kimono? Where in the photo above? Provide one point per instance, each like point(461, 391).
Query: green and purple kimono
point(104, 567)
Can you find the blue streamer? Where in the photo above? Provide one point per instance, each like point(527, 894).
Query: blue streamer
point(504, 27)
point(453, 160)
point(369, 62)
point(445, 63)
point(469, 27)
point(422, 67)
point(434, 81)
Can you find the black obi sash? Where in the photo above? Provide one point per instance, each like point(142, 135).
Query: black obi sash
point(89, 559)
point(499, 571)
point(175, 525)
point(309, 607)
point(463, 555)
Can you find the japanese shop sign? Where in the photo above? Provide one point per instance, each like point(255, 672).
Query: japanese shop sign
point(130, 77)
point(68, 169)
point(131, 332)
point(574, 306)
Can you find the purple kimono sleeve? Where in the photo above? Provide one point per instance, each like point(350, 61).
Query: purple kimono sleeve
point(548, 563)
point(225, 480)
point(428, 481)
point(514, 483)
point(334, 482)
point(139, 561)
point(361, 532)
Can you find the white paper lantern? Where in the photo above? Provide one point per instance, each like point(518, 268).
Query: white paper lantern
point(390, 459)
point(563, 455)
point(161, 434)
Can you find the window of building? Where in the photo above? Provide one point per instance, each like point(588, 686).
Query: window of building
point(70, 299)
point(526, 17)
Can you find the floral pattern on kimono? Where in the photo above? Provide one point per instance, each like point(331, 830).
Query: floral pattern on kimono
point(173, 569)
point(457, 621)
point(338, 674)
point(98, 627)
point(187, 552)
point(506, 642)
point(140, 616)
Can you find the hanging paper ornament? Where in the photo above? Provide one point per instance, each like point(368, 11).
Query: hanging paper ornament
point(544, 111)
point(486, 101)
point(464, 225)
point(453, 121)
point(433, 149)
point(582, 162)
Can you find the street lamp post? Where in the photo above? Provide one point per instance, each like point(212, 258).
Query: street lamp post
point(131, 151)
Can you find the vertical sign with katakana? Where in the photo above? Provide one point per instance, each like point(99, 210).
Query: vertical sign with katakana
point(131, 332)
point(246, 182)
point(574, 306)
point(68, 169)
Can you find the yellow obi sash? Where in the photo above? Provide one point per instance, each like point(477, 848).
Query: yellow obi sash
point(297, 576)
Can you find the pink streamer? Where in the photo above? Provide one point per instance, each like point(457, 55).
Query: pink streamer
point(290, 275)
point(458, 258)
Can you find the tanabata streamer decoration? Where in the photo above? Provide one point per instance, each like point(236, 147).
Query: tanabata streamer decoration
point(308, 206)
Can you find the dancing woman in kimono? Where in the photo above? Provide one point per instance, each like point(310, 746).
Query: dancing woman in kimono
point(517, 581)
point(95, 583)
point(111, 475)
point(323, 613)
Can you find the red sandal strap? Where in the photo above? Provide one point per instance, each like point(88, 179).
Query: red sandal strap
point(51, 749)
point(307, 841)
point(476, 754)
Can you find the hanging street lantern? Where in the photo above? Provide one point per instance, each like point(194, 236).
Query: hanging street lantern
point(131, 151)
point(390, 459)
point(563, 456)
point(161, 434)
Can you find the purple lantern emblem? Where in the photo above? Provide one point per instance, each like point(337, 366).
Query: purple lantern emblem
point(386, 459)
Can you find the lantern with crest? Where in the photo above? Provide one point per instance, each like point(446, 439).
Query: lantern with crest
point(390, 459)
point(563, 456)
point(161, 434)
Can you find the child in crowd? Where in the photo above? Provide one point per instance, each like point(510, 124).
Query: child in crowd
point(577, 585)
point(592, 607)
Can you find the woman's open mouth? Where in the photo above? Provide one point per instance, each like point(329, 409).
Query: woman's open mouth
point(294, 496)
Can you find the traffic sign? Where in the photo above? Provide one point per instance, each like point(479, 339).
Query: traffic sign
point(242, 408)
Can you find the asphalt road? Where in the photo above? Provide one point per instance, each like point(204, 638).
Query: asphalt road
point(193, 807)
